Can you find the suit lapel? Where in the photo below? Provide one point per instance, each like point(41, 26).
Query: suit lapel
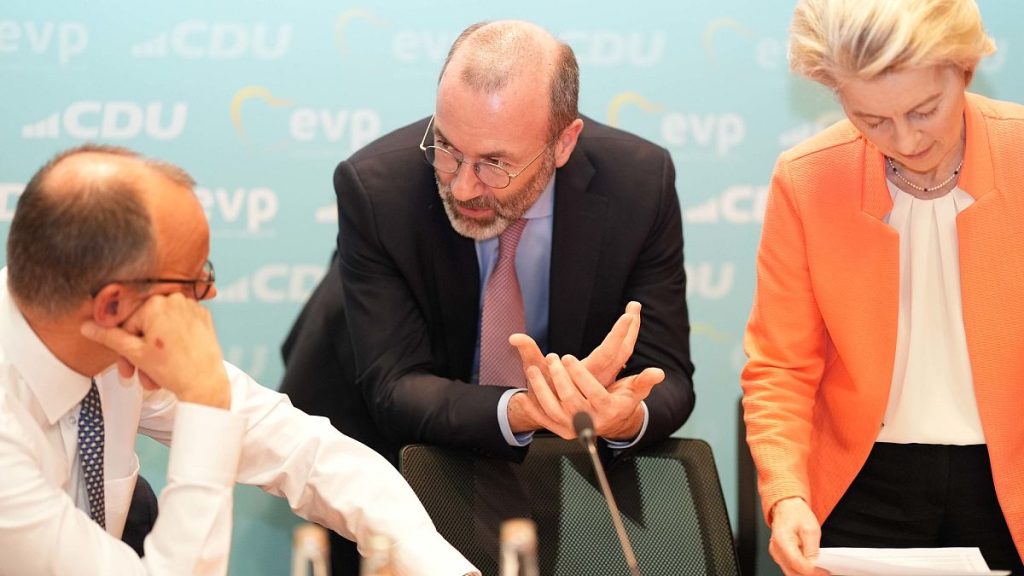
point(577, 238)
point(857, 275)
point(991, 260)
point(456, 288)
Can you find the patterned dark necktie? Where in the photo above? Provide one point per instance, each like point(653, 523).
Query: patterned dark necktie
point(503, 315)
point(90, 453)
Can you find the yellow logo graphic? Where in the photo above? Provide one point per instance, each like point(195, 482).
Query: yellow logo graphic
point(248, 93)
point(633, 99)
point(343, 20)
point(718, 24)
point(708, 330)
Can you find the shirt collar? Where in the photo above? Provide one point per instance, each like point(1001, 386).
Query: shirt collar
point(56, 387)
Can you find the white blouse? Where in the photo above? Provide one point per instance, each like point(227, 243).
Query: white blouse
point(931, 400)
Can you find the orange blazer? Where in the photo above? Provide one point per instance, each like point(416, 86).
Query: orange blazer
point(821, 338)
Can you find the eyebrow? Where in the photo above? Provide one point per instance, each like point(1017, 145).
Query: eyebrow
point(439, 134)
point(926, 101)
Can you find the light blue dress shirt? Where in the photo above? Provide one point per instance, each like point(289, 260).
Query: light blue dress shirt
point(533, 267)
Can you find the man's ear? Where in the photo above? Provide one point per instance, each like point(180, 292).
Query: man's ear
point(567, 142)
point(113, 304)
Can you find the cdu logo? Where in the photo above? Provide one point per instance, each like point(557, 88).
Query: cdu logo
point(273, 284)
point(737, 204)
point(254, 360)
point(710, 280)
point(608, 48)
point(202, 40)
point(9, 194)
point(327, 214)
point(111, 120)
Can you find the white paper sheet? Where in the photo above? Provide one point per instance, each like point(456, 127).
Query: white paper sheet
point(904, 562)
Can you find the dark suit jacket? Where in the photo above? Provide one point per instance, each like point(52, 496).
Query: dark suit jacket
point(411, 289)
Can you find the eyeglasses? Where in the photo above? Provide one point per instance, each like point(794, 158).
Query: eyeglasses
point(492, 175)
point(200, 286)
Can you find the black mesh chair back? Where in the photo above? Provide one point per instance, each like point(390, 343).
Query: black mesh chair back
point(669, 494)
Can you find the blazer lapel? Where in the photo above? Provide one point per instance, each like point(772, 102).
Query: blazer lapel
point(456, 287)
point(577, 238)
point(859, 277)
point(991, 260)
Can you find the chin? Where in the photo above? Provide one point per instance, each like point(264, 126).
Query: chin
point(475, 229)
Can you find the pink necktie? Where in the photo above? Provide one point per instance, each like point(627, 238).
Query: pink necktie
point(503, 316)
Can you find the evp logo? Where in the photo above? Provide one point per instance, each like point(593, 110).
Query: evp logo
point(717, 133)
point(259, 115)
point(273, 284)
point(9, 194)
point(725, 35)
point(738, 204)
point(63, 39)
point(111, 120)
point(346, 19)
point(239, 211)
point(203, 40)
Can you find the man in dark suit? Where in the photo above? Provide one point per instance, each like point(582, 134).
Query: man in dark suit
point(423, 212)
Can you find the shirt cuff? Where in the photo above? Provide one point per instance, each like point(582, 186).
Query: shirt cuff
point(523, 438)
point(622, 444)
point(206, 445)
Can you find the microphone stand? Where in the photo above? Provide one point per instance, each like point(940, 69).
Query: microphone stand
point(584, 426)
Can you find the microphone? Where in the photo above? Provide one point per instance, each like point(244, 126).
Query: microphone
point(518, 555)
point(584, 426)
point(310, 550)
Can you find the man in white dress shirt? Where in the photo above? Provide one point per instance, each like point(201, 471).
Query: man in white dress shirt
point(100, 321)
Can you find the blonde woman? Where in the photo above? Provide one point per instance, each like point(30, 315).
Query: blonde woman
point(885, 379)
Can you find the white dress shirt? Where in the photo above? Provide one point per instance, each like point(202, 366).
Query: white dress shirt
point(327, 477)
point(931, 400)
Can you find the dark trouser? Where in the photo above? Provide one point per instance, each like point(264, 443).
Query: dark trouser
point(924, 496)
point(142, 514)
point(345, 558)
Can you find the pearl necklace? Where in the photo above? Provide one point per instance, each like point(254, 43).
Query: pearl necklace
point(902, 178)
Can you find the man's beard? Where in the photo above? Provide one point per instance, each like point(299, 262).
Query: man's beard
point(506, 211)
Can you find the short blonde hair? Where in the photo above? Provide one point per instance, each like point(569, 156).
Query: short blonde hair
point(833, 40)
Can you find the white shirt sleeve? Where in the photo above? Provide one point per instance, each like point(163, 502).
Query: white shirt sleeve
point(336, 481)
point(43, 533)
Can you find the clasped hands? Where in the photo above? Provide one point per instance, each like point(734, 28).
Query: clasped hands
point(559, 387)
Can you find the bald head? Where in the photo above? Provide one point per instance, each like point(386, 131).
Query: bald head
point(84, 219)
point(491, 56)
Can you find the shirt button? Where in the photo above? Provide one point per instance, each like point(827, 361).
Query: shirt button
point(73, 420)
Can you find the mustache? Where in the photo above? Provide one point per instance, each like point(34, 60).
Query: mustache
point(478, 203)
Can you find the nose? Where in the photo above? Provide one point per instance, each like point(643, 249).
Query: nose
point(906, 139)
point(465, 184)
point(212, 293)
